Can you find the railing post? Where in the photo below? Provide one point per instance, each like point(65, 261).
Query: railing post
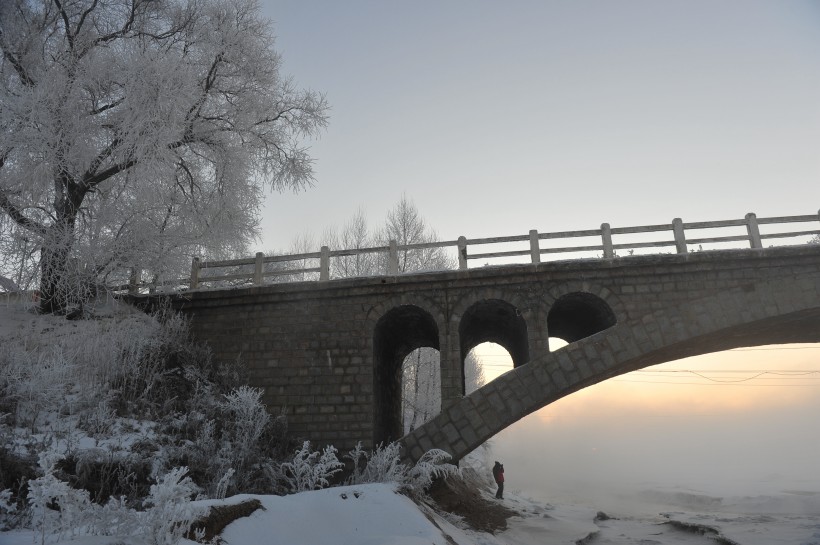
point(194, 273)
point(817, 237)
point(752, 229)
point(680, 236)
point(535, 248)
point(393, 258)
point(606, 236)
point(324, 263)
point(134, 281)
point(462, 253)
point(257, 268)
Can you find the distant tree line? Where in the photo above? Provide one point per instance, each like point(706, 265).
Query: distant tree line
point(421, 371)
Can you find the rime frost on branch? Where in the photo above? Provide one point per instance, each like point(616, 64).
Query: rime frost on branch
point(134, 133)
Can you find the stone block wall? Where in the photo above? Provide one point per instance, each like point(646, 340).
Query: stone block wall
point(311, 347)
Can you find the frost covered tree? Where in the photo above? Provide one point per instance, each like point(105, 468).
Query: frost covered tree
point(421, 375)
point(421, 384)
point(473, 373)
point(406, 226)
point(421, 387)
point(138, 132)
point(355, 235)
point(420, 371)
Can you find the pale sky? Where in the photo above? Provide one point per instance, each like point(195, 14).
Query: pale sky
point(500, 117)
point(497, 118)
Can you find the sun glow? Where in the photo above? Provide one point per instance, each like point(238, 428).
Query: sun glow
point(735, 381)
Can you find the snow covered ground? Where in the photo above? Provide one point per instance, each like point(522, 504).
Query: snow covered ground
point(375, 514)
point(652, 517)
point(658, 517)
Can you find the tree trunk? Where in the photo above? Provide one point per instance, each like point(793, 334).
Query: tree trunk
point(56, 292)
point(53, 272)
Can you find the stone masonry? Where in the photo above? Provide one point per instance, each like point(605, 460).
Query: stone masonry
point(326, 353)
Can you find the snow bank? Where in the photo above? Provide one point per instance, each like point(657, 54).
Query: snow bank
point(350, 515)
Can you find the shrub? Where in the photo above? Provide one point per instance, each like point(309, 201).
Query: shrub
point(311, 470)
point(384, 465)
point(235, 434)
point(56, 508)
point(106, 474)
point(15, 469)
point(171, 513)
point(432, 464)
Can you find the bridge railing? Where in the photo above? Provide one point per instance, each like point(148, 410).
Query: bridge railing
point(606, 242)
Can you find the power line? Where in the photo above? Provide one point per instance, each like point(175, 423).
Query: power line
point(780, 375)
point(765, 348)
point(713, 383)
point(745, 349)
point(783, 372)
point(758, 374)
point(717, 370)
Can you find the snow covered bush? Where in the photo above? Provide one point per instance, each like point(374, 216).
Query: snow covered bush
point(140, 365)
point(61, 511)
point(5, 502)
point(99, 422)
point(34, 383)
point(107, 473)
point(7, 507)
point(56, 508)
point(309, 470)
point(432, 464)
point(117, 402)
point(248, 420)
point(235, 433)
point(384, 465)
point(171, 513)
point(223, 483)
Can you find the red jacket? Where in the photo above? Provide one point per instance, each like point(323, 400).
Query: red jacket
point(498, 473)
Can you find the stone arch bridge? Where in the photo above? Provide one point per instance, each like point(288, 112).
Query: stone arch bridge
point(328, 354)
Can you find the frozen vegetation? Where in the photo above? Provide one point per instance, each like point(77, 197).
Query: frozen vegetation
point(118, 429)
point(111, 426)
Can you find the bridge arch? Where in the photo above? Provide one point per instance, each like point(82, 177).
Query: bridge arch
point(496, 321)
point(767, 312)
point(577, 315)
point(398, 332)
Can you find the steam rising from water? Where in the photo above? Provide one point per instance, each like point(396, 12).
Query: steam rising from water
point(677, 441)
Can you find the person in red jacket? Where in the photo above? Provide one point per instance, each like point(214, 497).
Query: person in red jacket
point(498, 475)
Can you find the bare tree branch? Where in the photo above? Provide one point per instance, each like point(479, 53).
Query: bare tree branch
point(15, 62)
point(19, 218)
point(106, 107)
point(85, 14)
point(102, 156)
point(140, 104)
point(100, 177)
point(69, 34)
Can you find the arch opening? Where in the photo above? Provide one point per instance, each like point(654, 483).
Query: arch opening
point(556, 343)
point(578, 315)
point(397, 334)
point(484, 363)
point(421, 387)
point(495, 321)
